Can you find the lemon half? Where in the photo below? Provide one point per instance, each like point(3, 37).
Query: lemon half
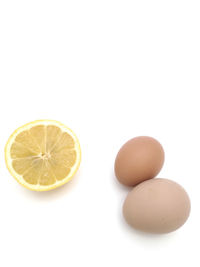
point(43, 155)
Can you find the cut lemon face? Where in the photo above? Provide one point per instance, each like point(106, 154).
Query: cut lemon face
point(43, 155)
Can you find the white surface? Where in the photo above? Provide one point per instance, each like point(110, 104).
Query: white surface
point(110, 70)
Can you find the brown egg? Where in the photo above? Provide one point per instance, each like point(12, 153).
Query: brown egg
point(140, 159)
point(157, 206)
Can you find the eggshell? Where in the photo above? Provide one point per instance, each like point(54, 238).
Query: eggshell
point(140, 159)
point(157, 206)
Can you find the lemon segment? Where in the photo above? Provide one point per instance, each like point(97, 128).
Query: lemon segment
point(43, 155)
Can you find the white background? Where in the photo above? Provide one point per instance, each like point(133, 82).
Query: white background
point(110, 70)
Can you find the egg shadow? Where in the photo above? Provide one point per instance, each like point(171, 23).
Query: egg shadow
point(120, 187)
point(145, 237)
point(52, 194)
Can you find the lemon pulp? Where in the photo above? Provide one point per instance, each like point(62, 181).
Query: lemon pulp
point(43, 155)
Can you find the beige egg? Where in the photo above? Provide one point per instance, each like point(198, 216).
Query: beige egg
point(140, 159)
point(157, 206)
